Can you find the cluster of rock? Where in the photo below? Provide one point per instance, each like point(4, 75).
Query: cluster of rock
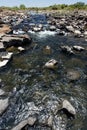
point(37, 116)
point(8, 41)
point(69, 24)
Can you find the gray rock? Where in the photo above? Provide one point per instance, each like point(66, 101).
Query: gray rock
point(1, 92)
point(52, 28)
point(30, 121)
point(67, 49)
point(67, 105)
point(3, 105)
point(70, 28)
point(1, 46)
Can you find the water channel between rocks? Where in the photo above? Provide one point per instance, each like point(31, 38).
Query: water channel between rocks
point(26, 80)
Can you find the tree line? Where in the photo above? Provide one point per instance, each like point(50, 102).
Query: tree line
point(78, 5)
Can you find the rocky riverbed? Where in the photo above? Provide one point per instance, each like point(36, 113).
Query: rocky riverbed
point(43, 71)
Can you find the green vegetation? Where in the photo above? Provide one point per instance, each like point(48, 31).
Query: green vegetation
point(78, 6)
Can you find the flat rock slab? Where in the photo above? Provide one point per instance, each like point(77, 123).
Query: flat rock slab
point(3, 105)
point(16, 40)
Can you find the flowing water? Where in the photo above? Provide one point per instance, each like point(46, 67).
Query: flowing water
point(26, 80)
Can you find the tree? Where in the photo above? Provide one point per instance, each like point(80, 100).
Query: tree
point(22, 7)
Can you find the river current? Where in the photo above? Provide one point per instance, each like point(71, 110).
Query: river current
point(25, 79)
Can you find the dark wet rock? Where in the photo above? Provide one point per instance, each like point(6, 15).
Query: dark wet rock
point(73, 75)
point(78, 48)
point(16, 40)
point(67, 105)
point(51, 64)
point(3, 105)
point(67, 49)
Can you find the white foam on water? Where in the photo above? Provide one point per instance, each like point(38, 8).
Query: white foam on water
point(46, 33)
point(43, 34)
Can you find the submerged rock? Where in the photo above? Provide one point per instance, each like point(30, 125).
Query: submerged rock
point(73, 75)
point(47, 50)
point(3, 105)
point(51, 64)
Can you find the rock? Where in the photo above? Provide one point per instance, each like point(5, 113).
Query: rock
point(73, 75)
point(85, 33)
point(77, 32)
point(78, 48)
point(16, 40)
point(3, 63)
point(18, 32)
point(70, 28)
point(47, 50)
point(21, 49)
point(5, 29)
point(67, 49)
point(67, 105)
point(30, 121)
point(50, 120)
point(51, 64)
point(20, 125)
point(2, 46)
point(7, 56)
point(36, 29)
point(3, 105)
point(1, 92)
point(52, 28)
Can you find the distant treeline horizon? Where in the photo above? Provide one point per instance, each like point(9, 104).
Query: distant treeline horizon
point(78, 5)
